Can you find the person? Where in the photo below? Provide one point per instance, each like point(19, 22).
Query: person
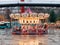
point(45, 28)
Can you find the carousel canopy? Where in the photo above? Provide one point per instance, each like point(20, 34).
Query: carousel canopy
point(18, 15)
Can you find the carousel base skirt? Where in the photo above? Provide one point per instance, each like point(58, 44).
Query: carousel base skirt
point(30, 33)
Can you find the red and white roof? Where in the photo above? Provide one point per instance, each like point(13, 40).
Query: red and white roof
point(28, 11)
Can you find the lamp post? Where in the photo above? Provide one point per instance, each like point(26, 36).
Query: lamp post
point(22, 7)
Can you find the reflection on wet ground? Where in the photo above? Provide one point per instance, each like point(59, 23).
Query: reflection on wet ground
point(53, 38)
point(23, 40)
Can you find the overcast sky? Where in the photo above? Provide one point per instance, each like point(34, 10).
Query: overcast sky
point(29, 1)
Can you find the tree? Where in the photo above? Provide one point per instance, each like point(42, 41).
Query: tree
point(58, 18)
point(8, 12)
point(52, 17)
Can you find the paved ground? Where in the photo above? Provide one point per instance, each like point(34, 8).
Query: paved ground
point(53, 38)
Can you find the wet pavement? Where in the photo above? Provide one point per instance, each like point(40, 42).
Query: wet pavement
point(6, 38)
point(54, 37)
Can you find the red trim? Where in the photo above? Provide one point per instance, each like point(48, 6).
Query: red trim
point(22, 0)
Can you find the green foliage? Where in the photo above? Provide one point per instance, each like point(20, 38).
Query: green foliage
point(58, 18)
point(52, 17)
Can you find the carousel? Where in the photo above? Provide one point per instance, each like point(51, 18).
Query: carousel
point(30, 23)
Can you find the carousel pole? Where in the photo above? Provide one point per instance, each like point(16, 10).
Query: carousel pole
point(22, 8)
